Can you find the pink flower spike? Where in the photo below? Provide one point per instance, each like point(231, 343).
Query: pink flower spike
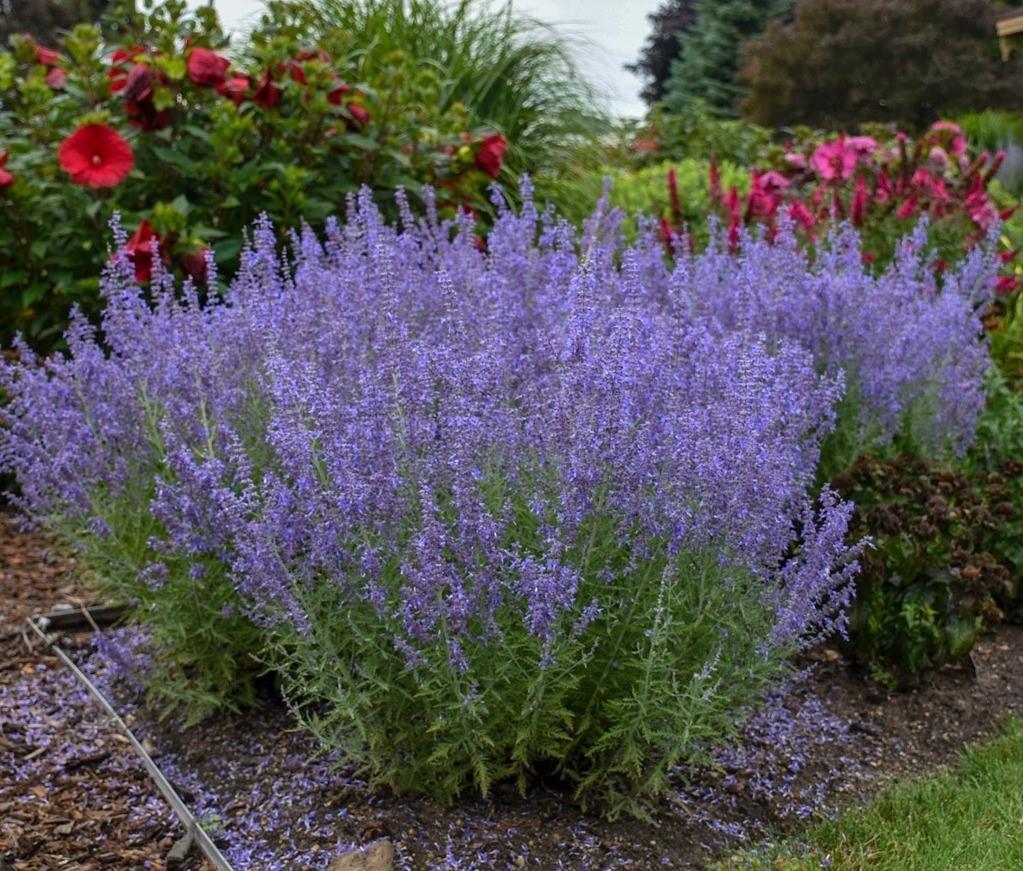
point(801, 215)
point(907, 208)
point(676, 200)
point(860, 200)
point(715, 181)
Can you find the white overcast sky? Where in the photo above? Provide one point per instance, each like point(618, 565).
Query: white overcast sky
point(609, 33)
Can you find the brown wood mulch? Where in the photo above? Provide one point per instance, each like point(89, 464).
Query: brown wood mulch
point(73, 794)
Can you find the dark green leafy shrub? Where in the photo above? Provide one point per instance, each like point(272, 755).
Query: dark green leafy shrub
point(303, 113)
point(946, 560)
point(840, 63)
point(43, 19)
point(695, 132)
point(669, 23)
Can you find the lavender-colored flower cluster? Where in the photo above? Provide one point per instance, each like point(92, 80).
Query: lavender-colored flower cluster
point(554, 448)
point(911, 348)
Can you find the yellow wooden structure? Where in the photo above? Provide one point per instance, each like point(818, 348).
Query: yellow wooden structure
point(1009, 28)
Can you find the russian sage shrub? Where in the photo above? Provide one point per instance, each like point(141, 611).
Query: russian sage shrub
point(909, 341)
point(541, 509)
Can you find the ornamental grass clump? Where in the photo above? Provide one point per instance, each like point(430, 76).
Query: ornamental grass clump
point(488, 515)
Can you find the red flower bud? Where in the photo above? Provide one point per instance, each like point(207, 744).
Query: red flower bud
point(359, 114)
point(193, 264)
point(6, 178)
point(207, 68)
point(491, 154)
point(267, 93)
point(56, 77)
point(140, 249)
point(139, 84)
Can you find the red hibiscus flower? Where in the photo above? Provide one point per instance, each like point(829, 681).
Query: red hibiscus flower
point(6, 179)
point(491, 154)
point(48, 57)
point(267, 93)
point(56, 77)
point(96, 155)
point(359, 114)
point(138, 99)
point(1006, 284)
point(337, 94)
point(207, 68)
point(140, 250)
point(236, 88)
point(193, 264)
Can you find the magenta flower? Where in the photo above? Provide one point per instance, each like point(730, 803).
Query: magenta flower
point(835, 160)
point(796, 160)
point(951, 135)
point(770, 181)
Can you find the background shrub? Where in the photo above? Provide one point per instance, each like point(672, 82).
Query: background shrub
point(643, 194)
point(696, 134)
point(302, 113)
point(841, 63)
point(501, 69)
point(946, 560)
point(44, 19)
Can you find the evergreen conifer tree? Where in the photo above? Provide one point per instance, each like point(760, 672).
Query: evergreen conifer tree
point(708, 58)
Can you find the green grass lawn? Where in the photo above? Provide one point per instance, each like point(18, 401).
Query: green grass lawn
point(969, 819)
